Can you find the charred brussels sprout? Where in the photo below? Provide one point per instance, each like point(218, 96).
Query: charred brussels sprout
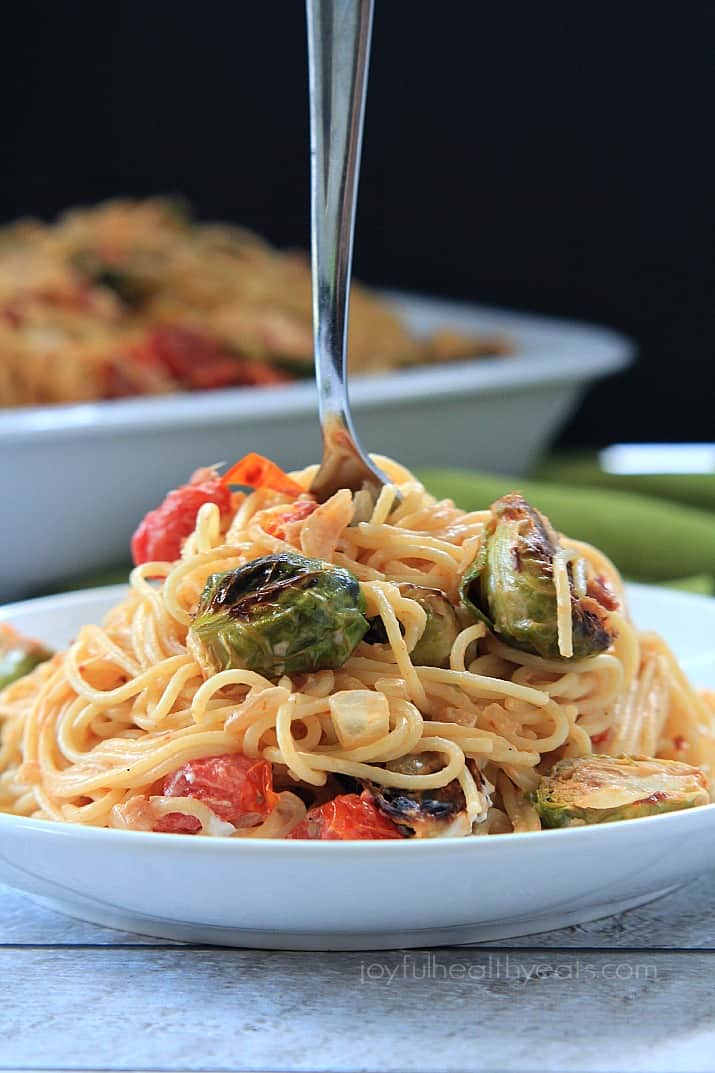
point(423, 813)
point(440, 632)
point(18, 655)
point(282, 614)
point(599, 789)
point(510, 586)
point(441, 628)
point(131, 280)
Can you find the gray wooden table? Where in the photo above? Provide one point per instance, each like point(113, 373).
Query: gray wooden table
point(635, 992)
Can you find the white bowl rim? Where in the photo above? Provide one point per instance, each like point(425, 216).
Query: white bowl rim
point(437, 845)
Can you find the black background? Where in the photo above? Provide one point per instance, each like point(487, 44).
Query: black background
point(554, 156)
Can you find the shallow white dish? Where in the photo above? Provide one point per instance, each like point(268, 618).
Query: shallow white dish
point(360, 895)
point(90, 472)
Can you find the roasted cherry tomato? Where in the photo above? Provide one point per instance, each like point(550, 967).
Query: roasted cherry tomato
point(162, 532)
point(239, 789)
point(198, 362)
point(256, 471)
point(347, 817)
point(178, 823)
point(298, 512)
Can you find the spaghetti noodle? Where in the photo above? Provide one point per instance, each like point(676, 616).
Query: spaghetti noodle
point(102, 732)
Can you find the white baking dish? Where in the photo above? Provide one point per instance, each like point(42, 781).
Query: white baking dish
point(76, 479)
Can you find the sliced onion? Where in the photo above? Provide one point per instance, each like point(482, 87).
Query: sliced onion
point(360, 716)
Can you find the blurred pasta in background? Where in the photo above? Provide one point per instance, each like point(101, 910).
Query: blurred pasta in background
point(132, 298)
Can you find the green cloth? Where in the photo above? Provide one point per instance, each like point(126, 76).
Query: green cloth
point(116, 575)
point(648, 539)
point(582, 469)
point(701, 584)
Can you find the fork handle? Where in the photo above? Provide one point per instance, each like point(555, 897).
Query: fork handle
point(338, 52)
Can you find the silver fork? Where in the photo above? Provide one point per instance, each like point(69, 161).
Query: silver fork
point(338, 54)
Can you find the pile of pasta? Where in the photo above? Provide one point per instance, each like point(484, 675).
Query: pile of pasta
point(88, 736)
point(133, 298)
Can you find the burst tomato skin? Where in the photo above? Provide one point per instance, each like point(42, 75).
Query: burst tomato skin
point(178, 823)
point(257, 471)
point(346, 817)
point(298, 512)
point(233, 786)
point(161, 533)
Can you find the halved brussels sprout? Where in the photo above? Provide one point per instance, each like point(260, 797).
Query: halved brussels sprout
point(510, 586)
point(600, 789)
point(18, 655)
point(281, 614)
point(422, 813)
point(436, 813)
point(441, 628)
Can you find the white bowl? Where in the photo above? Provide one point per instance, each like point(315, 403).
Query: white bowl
point(360, 895)
point(89, 472)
